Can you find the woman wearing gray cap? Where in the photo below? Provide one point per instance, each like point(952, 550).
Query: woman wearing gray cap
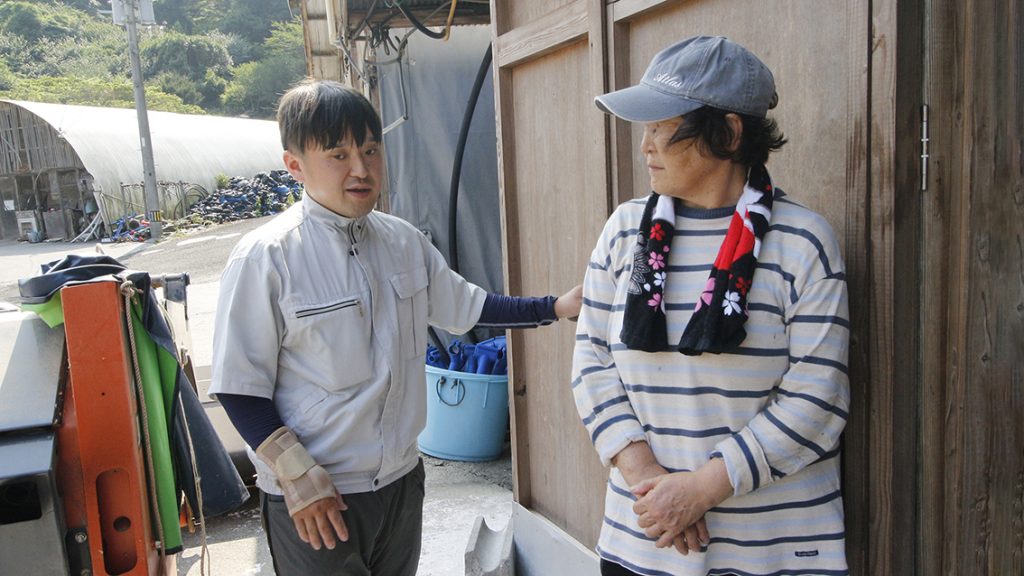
point(710, 361)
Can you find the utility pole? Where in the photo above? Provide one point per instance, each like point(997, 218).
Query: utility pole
point(152, 198)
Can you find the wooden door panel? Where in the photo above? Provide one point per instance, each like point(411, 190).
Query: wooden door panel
point(559, 209)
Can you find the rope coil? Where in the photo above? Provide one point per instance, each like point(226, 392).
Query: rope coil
point(204, 550)
point(128, 290)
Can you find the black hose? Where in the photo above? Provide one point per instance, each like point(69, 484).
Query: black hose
point(417, 24)
point(369, 12)
point(460, 152)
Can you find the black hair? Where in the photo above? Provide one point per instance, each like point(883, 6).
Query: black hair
point(761, 136)
point(324, 112)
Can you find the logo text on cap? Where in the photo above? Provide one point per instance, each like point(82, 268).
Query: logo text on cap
point(668, 79)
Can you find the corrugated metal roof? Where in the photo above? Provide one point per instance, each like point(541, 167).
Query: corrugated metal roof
point(186, 148)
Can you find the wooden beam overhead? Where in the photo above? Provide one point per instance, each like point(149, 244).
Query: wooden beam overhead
point(559, 27)
point(626, 9)
point(431, 16)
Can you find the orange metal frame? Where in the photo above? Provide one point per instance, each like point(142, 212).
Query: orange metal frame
point(101, 468)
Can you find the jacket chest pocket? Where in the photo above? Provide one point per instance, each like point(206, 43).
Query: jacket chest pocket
point(332, 341)
point(411, 291)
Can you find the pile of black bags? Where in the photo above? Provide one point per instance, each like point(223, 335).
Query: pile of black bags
point(264, 194)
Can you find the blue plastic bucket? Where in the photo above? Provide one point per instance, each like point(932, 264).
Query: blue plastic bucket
point(467, 415)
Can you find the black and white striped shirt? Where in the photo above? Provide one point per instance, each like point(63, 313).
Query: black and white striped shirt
point(773, 410)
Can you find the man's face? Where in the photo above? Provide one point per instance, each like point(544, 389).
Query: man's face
point(345, 179)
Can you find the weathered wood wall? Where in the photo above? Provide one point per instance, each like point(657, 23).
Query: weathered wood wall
point(320, 17)
point(29, 144)
point(553, 177)
point(972, 293)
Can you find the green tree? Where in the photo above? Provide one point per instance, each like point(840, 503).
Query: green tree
point(178, 84)
point(193, 67)
point(51, 40)
point(103, 53)
point(15, 52)
point(115, 93)
point(252, 19)
point(285, 40)
point(246, 22)
point(36, 21)
point(189, 56)
point(7, 78)
point(187, 16)
point(210, 90)
point(90, 6)
point(243, 50)
point(65, 51)
point(256, 86)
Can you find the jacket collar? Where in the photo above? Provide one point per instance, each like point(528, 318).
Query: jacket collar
point(351, 227)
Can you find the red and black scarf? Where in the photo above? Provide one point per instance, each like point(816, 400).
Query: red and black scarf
point(717, 322)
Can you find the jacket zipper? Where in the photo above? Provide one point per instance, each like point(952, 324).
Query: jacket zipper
point(330, 308)
point(353, 251)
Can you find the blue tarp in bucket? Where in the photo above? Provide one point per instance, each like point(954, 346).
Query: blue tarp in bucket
point(487, 357)
point(467, 415)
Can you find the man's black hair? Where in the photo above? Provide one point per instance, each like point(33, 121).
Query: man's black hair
point(324, 112)
point(761, 136)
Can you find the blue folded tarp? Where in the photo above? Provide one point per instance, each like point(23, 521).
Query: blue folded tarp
point(487, 357)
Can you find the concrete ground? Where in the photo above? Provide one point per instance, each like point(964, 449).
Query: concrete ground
point(456, 492)
point(21, 259)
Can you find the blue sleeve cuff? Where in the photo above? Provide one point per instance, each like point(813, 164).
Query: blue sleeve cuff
point(501, 311)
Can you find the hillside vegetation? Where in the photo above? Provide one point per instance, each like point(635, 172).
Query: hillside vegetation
point(226, 57)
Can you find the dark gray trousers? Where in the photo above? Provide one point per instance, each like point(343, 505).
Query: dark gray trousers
point(384, 529)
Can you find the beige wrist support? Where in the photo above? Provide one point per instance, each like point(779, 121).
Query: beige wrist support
point(302, 480)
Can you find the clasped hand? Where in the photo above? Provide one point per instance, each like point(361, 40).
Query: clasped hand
point(671, 508)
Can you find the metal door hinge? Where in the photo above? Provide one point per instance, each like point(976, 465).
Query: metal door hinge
point(924, 147)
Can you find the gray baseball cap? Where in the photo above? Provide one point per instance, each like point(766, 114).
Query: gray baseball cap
point(700, 71)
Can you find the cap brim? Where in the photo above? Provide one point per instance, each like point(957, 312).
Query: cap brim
point(643, 104)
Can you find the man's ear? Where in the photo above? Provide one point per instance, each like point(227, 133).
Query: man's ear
point(293, 163)
point(736, 127)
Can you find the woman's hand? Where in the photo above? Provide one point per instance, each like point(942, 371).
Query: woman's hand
point(667, 505)
point(637, 465)
point(674, 504)
point(568, 305)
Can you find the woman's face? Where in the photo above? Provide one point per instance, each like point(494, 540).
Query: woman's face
point(681, 169)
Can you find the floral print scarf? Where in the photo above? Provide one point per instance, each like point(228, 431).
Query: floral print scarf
point(717, 322)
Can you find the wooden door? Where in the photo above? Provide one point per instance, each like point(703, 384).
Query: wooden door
point(549, 64)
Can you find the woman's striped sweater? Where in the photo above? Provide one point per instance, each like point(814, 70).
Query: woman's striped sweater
point(773, 409)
